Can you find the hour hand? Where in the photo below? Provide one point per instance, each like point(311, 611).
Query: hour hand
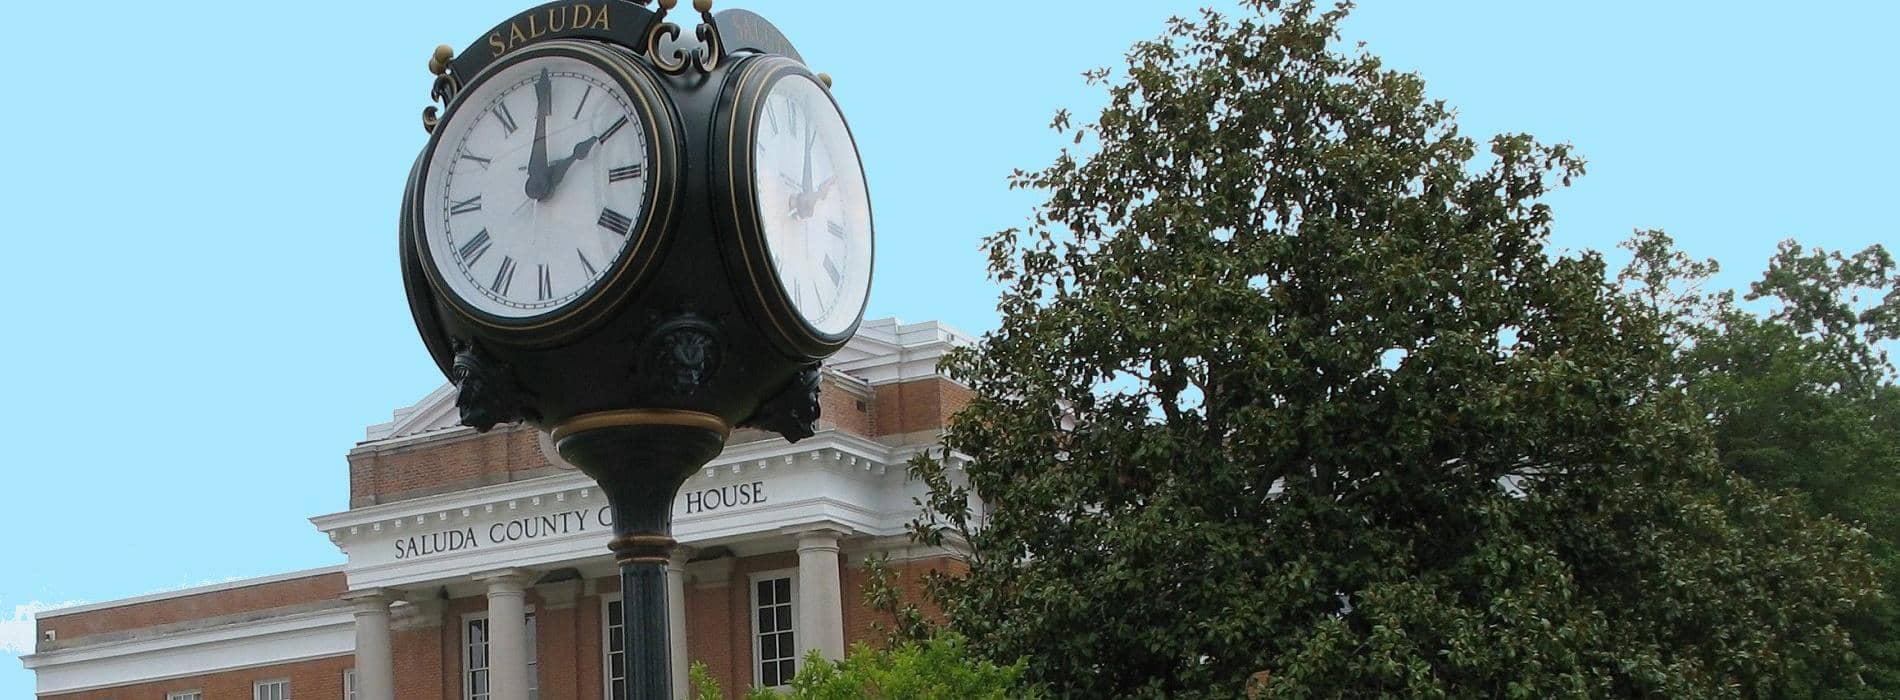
point(558, 169)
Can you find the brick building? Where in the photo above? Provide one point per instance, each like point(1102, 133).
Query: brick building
point(456, 542)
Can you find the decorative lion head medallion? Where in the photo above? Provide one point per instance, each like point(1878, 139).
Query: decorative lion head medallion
point(681, 355)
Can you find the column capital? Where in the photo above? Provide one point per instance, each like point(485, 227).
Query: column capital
point(372, 600)
point(513, 580)
point(819, 539)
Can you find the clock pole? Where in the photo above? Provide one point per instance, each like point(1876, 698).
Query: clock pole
point(640, 459)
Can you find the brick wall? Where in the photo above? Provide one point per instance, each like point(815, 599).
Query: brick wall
point(230, 601)
point(319, 678)
point(463, 461)
point(920, 405)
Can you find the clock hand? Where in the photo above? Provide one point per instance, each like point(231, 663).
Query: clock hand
point(538, 185)
point(558, 169)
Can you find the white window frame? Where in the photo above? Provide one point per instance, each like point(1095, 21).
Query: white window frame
point(349, 684)
point(607, 665)
point(193, 694)
point(534, 662)
point(752, 622)
point(258, 688)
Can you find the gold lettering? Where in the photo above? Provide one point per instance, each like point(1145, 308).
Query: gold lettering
point(557, 19)
point(600, 21)
point(495, 46)
point(534, 30)
point(583, 16)
point(515, 37)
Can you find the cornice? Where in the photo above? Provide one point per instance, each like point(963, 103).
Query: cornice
point(830, 449)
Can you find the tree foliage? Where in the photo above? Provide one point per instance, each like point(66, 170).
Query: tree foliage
point(1799, 394)
point(940, 668)
point(1287, 385)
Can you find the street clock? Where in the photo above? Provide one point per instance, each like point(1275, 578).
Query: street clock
point(636, 238)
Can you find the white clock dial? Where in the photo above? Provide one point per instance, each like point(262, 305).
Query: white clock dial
point(813, 204)
point(535, 186)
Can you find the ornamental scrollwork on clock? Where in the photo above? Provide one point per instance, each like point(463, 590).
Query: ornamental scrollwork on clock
point(705, 57)
point(446, 85)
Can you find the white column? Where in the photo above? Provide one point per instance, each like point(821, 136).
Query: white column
point(676, 622)
point(820, 594)
point(507, 633)
point(375, 658)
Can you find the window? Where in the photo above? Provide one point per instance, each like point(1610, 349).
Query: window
point(271, 690)
point(349, 684)
point(772, 638)
point(615, 647)
point(475, 682)
point(185, 695)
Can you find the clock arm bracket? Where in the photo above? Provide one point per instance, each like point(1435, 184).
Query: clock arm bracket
point(488, 394)
point(793, 412)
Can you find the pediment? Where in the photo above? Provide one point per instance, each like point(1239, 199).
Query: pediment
point(433, 413)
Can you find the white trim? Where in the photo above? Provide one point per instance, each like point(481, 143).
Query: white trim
point(257, 688)
point(196, 590)
point(606, 667)
point(533, 648)
point(752, 624)
point(267, 642)
point(193, 694)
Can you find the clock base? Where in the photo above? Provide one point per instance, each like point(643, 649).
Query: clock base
point(640, 458)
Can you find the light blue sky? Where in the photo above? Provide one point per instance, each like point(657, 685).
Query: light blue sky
point(200, 203)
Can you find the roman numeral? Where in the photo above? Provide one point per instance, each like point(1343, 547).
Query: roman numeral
point(831, 268)
point(623, 173)
point(585, 264)
point(771, 117)
point(504, 277)
point(615, 221)
point(835, 227)
point(507, 120)
point(577, 108)
point(472, 249)
point(465, 206)
point(546, 291)
point(611, 130)
point(478, 159)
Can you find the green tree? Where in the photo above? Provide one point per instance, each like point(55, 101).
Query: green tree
point(1287, 386)
point(940, 668)
point(1799, 395)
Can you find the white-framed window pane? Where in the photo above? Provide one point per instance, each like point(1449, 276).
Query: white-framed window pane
point(772, 630)
point(349, 684)
point(271, 690)
point(185, 695)
point(475, 661)
point(616, 652)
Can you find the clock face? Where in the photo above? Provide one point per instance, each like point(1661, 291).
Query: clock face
point(535, 187)
point(813, 206)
